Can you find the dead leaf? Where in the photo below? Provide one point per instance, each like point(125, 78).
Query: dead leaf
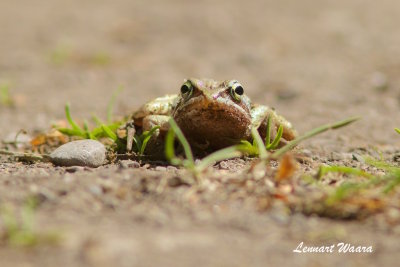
point(44, 142)
point(287, 167)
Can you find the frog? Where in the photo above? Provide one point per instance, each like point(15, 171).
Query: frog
point(211, 114)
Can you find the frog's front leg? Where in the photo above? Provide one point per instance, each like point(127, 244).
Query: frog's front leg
point(156, 143)
point(154, 113)
point(129, 129)
point(260, 115)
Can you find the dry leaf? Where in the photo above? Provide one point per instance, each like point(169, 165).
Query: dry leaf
point(287, 167)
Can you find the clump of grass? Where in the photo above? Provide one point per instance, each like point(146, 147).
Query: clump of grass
point(332, 126)
point(142, 140)
point(389, 181)
point(19, 230)
point(256, 149)
point(323, 170)
point(274, 144)
point(102, 129)
point(392, 176)
point(343, 191)
point(107, 130)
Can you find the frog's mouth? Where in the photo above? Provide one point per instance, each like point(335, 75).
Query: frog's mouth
point(216, 122)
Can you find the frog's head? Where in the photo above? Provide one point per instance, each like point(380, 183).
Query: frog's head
point(212, 113)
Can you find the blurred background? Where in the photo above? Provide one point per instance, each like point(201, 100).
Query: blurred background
point(314, 61)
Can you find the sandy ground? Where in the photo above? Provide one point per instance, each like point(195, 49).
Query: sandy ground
point(314, 61)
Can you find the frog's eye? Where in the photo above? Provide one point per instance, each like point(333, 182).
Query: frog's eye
point(236, 90)
point(187, 87)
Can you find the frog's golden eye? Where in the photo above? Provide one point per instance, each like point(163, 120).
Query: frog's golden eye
point(236, 90)
point(186, 88)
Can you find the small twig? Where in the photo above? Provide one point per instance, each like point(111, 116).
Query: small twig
point(26, 156)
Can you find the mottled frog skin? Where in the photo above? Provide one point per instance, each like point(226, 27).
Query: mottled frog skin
point(211, 114)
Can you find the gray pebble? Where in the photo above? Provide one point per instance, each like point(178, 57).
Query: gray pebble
point(160, 168)
point(95, 190)
point(359, 158)
point(88, 152)
point(307, 153)
point(171, 168)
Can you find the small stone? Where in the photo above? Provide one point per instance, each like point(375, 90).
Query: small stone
point(287, 94)
point(95, 190)
point(358, 158)
point(146, 166)
point(335, 156)
point(307, 153)
point(176, 181)
point(126, 164)
point(160, 168)
point(87, 152)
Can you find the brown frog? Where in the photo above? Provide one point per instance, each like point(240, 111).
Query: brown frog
point(211, 114)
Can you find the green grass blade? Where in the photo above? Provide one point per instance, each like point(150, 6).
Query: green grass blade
point(323, 170)
point(395, 181)
point(380, 164)
point(397, 130)
point(97, 132)
point(138, 142)
point(248, 148)
point(97, 120)
point(342, 192)
point(169, 148)
point(146, 137)
point(268, 134)
point(245, 143)
point(260, 145)
point(182, 139)
point(312, 133)
point(70, 132)
point(222, 154)
point(109, 133)
point(72, 122)
point(88, 134)
point(277, 139)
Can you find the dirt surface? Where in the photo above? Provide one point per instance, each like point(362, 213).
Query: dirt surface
point(314, 61)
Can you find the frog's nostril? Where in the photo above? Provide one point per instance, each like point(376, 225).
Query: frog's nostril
point(215, 96)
